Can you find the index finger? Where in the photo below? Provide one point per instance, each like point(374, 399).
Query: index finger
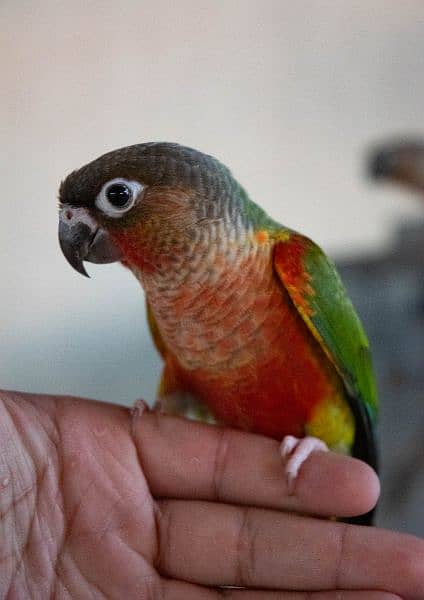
point(187, 460)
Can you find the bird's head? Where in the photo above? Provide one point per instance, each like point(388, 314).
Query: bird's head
point(143, 205)
point(399, 161)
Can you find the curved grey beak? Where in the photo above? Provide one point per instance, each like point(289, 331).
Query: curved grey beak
point(81, 239)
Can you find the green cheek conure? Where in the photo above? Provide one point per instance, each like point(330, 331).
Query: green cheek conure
point(252, 321)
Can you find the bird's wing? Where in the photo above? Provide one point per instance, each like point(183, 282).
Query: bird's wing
point(318, 294)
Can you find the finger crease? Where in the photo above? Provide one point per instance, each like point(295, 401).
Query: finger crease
point(245, 552)
point(220, 463)
point(162, 527)
point(341, 555)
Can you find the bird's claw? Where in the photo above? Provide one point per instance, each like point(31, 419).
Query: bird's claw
point(295, 451)
point(138, 409)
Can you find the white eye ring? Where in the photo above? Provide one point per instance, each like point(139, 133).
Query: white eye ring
point(118, 196)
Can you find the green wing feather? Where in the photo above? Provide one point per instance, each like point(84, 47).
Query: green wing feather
point(319, 295)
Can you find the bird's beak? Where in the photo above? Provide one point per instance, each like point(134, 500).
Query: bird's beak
point(81, 239)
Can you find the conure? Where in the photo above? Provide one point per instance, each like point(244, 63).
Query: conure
point(252, 321)
point(400, 161)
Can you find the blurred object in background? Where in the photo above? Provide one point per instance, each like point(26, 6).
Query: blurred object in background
point(399, 161)
point(388, 292)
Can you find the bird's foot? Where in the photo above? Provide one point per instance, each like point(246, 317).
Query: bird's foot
point(295, 451)
point(137, 410)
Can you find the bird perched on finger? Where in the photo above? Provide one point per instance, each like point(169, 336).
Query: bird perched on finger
point(253, 323)
point(399, 161)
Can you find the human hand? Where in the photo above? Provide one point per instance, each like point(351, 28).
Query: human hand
point(96, 504)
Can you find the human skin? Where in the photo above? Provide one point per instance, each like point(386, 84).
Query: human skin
point(96, 502)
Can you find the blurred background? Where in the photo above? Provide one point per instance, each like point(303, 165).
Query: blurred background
point(290, 96)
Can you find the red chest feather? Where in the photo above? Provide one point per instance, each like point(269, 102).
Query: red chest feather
point(276, 391)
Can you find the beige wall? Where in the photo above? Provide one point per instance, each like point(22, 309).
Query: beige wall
point(287, 94)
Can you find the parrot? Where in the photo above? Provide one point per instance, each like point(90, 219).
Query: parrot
point(252, 321)
point(400, 161)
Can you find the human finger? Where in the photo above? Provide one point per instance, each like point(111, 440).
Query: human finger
point(183, 459)
point(217, 544)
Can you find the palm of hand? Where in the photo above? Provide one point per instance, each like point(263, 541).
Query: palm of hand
point(78, 501)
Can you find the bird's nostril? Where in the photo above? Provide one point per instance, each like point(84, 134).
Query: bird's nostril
point(68, 215)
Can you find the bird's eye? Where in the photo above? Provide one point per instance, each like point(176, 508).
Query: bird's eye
point(118, 196)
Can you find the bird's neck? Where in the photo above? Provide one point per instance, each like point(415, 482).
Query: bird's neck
point(206, 303)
